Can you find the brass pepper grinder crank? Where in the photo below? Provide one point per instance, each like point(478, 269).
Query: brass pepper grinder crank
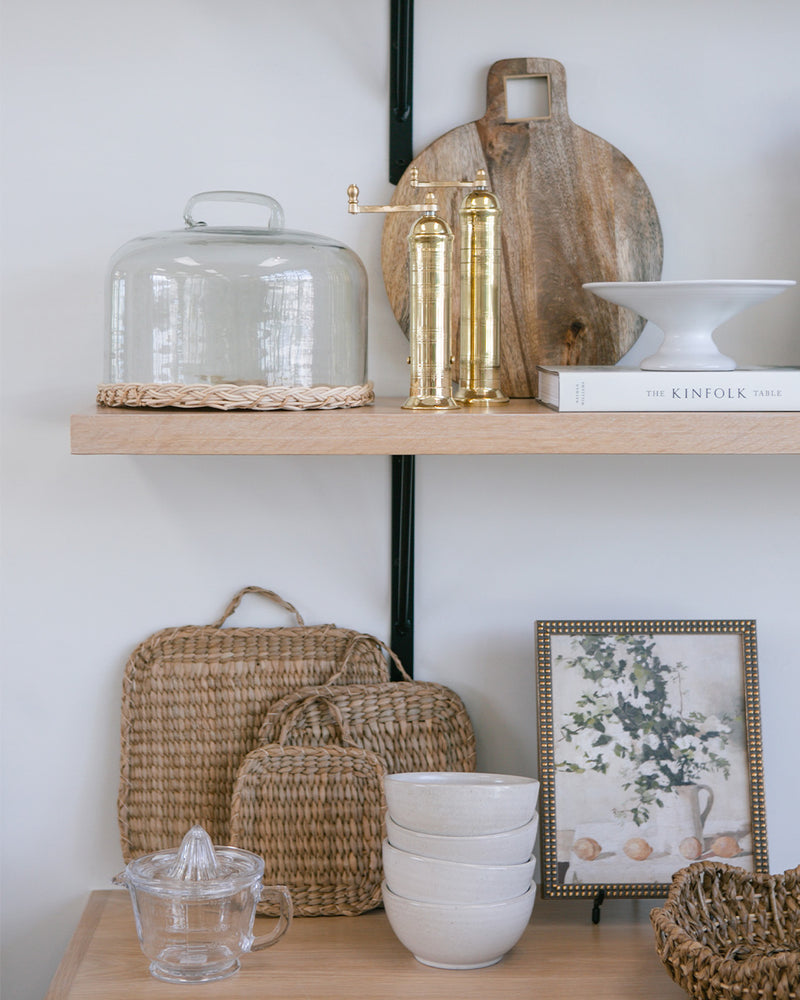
point(430, 255)
point(479, 328)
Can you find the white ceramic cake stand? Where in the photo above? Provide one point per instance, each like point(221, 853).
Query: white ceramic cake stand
point(688, 313)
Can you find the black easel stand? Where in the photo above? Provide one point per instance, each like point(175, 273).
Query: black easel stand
point(598, 902)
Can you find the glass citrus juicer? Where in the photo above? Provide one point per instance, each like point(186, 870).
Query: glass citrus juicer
point(195, 908)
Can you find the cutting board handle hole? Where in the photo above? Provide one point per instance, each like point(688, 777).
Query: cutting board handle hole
point(528, 97)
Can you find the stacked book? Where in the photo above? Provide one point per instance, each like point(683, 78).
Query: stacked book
point(607, 388)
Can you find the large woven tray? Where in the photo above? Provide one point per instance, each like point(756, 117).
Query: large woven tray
point(728, 934)
point(193, 701)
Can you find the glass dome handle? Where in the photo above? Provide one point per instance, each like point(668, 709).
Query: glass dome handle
point(251, 197)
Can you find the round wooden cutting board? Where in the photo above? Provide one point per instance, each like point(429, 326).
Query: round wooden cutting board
point(574, 210)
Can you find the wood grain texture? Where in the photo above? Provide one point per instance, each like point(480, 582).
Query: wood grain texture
point(562, 954)
point(522, 427)
point(575, 209)
point(82, 939)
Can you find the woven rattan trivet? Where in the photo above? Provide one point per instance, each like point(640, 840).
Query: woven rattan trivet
point(234, 397)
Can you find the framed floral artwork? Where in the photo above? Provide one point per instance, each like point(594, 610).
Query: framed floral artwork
point(650, 753)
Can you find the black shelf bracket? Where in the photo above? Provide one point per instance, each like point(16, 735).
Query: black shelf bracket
point(401, 87)
point(402, 641)
point(401, 66)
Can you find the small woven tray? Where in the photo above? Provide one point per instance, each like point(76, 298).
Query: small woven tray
point(728, 934)
point(193, 701)
point(316, 816)
point(411, 725)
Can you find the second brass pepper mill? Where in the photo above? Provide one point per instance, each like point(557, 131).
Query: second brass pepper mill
point(430, 249)
point(430, 255)
point(479, 329)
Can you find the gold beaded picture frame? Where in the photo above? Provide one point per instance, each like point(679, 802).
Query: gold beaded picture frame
point(650, 753)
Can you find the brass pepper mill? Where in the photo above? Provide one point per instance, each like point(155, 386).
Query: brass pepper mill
point(479, 328)
point(430, 256)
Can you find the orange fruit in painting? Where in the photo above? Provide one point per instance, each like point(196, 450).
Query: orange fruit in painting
point(586, 848)
point(725, 847)
point(691, 848)
point(637, 849)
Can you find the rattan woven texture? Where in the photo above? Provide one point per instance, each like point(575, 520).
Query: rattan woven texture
point(316, 816)
point(193, 701)
point(234, 397)
point(411, 725)
point(728, 934)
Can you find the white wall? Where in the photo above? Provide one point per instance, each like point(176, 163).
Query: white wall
point(114, 114)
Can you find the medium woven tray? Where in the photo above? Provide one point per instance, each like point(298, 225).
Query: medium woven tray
point(193, 701)
point(728, 934)
point(411, 725)
point(316, 816)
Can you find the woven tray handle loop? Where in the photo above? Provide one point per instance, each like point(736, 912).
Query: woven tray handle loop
point(269, 594)
point(275, 894)
point(301, 706)
point(370, 640)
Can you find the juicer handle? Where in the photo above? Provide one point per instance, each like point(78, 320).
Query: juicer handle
point(250, 197)
point(281, 895)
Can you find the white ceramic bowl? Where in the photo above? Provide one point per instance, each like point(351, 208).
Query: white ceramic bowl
point(460, 803)
point(457, 935)
point(688, 313)
point(513, 847)
point(435, 881)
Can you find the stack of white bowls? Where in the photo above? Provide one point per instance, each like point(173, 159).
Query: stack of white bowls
point(458, 864)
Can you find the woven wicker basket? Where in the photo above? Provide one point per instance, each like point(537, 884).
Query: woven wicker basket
point(411, 725)
point(316, 816)
point(193, 701)
point(727, 934)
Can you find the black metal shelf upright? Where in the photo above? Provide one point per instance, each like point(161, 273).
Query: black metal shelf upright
point(403, 466)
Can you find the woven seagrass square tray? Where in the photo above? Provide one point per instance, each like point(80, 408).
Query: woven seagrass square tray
point(411, 725)
point(316, 816)
point(193, 701)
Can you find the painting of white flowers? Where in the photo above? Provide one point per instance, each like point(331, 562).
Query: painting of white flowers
point(650, 753)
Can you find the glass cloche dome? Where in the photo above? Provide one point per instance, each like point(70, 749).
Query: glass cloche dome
point(236, 317)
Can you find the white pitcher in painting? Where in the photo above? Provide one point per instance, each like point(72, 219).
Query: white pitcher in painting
point(680, 821)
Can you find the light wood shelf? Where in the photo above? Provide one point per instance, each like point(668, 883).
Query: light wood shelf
point(523, 427)
point(562, 954)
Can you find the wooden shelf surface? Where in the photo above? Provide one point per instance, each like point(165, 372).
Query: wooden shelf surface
point(562, 954)
point(522, 427)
